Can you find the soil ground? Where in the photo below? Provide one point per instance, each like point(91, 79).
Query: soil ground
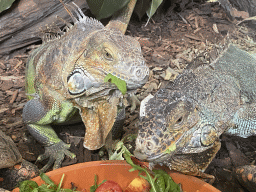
point(170, 41)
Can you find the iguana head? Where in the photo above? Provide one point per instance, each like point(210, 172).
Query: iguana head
point(172, 124)
point(109, 51)
point(100, 52)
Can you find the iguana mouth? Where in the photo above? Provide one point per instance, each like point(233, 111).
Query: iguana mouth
point(130, 83)
point(151, 158)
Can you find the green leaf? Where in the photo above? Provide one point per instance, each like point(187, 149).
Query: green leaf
point(5, 4)
point(105, 8)
point(95, 186)
point(46, 179)
point(141, 7)
point(27, 186)
point(153, 7)
point(46, 188)
point(169, 183)
point(31, 186)
point(121, 84)
point(61, 181)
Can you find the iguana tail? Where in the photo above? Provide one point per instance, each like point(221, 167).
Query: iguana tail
point(122, 17)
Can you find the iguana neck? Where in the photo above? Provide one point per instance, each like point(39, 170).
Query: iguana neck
point(122, 17)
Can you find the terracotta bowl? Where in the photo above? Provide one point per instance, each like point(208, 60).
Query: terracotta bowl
point(82, 175)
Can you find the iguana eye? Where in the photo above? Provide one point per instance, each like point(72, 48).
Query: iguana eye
point(78, 83)
point(107, 54)
point(179, 120)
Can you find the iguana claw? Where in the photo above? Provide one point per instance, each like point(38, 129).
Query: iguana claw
point(134, 102)
point(55, 153)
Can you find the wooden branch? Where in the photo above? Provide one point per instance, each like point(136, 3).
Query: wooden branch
point(21, 25)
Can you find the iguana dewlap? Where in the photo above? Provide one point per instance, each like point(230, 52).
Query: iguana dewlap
point(181, 124)
point(66, 74)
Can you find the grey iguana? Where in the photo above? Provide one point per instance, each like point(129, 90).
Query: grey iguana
point(66, 75)
point(181, 125)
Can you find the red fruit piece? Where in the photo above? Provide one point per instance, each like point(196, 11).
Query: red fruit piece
point(109, 186)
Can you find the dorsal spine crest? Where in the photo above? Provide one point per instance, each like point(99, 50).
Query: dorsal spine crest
point(81, 20)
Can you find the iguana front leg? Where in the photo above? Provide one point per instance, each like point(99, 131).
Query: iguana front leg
point(38, 116)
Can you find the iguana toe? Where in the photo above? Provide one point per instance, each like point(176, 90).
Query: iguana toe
point(56, 154)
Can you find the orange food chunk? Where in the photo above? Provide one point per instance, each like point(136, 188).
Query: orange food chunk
point(138, 185)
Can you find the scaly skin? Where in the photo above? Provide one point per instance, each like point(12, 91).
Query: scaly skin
point(66, 74)
point(182, 123)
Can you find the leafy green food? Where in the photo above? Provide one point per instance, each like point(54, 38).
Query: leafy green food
point(49, 186)
point(105, 8)
point(95, 186)
point(46, 179)
point(165, 181)
point(120, 147)
point(5, 4)
point(140, 169)
point(158, 179)
point(121, 84)
point(28, 186)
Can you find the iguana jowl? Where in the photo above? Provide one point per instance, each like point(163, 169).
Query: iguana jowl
point(182, 123)
point(66, 74)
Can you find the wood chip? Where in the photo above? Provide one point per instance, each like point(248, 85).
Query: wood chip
point(7, 78)
point(196, 22)
point(3, 110)
point(198, 29)
point(16, 124)
point(14, 96)
point(18, 64)
point(215, 28)
point(193, 37)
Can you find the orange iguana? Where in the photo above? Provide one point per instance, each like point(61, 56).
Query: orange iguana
point(66, 74)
